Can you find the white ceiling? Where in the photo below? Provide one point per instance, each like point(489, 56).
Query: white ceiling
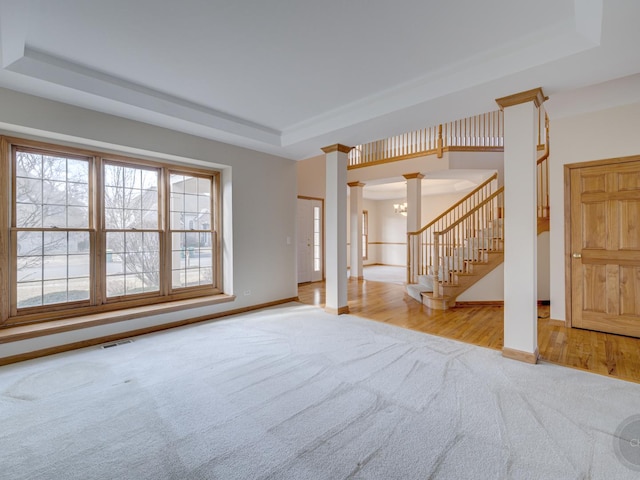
point(434, 183)
point(290, 76)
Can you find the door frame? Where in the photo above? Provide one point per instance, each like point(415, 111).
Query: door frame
point(568, 221)
point(322, 220)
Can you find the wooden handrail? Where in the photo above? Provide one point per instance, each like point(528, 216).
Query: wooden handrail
point(471, 212)
point(456, 205)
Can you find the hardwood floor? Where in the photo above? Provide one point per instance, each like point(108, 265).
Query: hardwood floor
point(605, 354)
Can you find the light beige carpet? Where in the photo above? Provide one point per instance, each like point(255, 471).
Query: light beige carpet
point(295, 393)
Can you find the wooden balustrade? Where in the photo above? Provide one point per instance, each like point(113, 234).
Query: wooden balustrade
point(471, 229)
point(421, 249)
point(485, 131)
point(481, 131)
point(448, 251)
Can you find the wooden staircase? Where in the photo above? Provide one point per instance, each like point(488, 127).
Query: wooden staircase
point(457, 249)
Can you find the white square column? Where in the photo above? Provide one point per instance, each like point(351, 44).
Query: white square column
point(336, 229)
point(355, 214)
point(414, 218)
point(520, 225)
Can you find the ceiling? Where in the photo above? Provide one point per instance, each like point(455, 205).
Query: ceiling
point(291, 76)
point(434, 183)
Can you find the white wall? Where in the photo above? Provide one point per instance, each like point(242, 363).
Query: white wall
point(259, 201)
point(491, 287)
point(482, 160)
point(591, 136)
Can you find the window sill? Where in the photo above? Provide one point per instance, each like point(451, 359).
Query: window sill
point(24, 332)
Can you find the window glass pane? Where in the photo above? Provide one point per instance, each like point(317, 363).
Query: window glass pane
point(77, 217)
point(126, 203)
point(204, 186)
point(55, 216)
point(29, 294)
point(29, 269)
point(78, 194)
point(54, 168)
point(78, 289)
point(113, 219)
point(43, 191)
point(115, 285)
point(28, 165)
point(133, 263)
point(77, 171)
point(29, 243)
point(149, 180)
point(54, 193)
point(55, 267)
point(55, 243)
point(28, 216)
point(192, 260)
point(47, 261)
point(28, 190)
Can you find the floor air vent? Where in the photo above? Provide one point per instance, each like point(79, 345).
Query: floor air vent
point(115, 344)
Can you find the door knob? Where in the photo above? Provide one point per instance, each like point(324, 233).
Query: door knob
point(577, 255)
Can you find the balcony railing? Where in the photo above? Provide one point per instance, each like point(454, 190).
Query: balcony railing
point(481, 132)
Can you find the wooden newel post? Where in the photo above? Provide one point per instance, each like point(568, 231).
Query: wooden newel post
point(439, 145)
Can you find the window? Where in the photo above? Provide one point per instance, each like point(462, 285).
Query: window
point(94, 233)
point(365, 235)
point(52, 228)
point(317, 243)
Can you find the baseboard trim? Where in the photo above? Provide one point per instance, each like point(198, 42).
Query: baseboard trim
point(133, 333)
point(481, 303)
point(521, 356)
point(492, 303)
point(337, 311)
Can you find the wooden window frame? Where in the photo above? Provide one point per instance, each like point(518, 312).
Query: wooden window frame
point(98, 303)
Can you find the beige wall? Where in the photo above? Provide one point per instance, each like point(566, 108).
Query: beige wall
point(596, 135)
point(311, 175)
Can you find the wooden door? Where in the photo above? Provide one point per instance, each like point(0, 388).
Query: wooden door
point(605, 246)
point(310, 240)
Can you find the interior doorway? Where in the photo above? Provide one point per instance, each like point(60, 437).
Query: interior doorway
point(310, 239)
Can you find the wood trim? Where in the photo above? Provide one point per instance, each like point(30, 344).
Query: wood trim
point(455, 148)
point(304, 197)
point(408, 156)
point(336, 147)
point(25, 332)
point(603, 162)
point(338, 311)
point(535, 95)
point(520, 355)
point(481, 303)
point(5, 182)
point(410, 176)
point(387, 243)
point(567, 246)
point(356, 184)
point(133, 333)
